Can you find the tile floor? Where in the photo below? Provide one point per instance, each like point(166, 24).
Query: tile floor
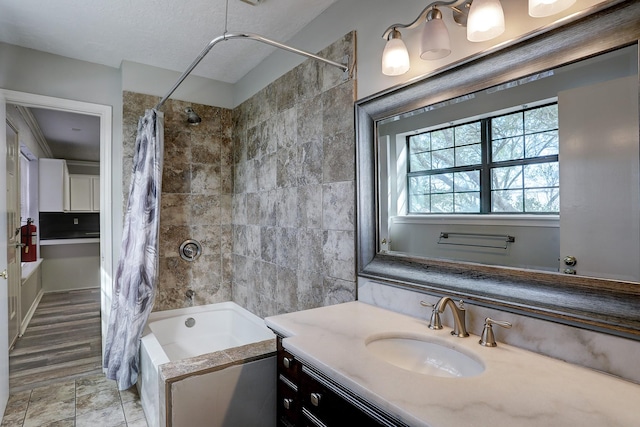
point(92, 401)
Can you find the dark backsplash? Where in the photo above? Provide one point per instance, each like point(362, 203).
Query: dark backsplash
point(69, 225)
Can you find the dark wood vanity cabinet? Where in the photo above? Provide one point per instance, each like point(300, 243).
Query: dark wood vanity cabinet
point(308, 399)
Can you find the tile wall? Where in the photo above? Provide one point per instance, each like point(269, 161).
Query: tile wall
point(197, 186)
point(294, 201)
point(268, 189)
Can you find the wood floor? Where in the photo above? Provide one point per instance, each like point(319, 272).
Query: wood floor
point(62, 341)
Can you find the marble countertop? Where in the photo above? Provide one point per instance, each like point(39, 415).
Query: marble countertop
point(83, 241)
point(517, 388)
point(28, 268)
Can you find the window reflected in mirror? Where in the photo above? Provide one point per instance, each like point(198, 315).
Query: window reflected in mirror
point(550, 160)
point(515, 154)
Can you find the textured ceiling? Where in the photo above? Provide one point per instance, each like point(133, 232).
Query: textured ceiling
point(162, 33)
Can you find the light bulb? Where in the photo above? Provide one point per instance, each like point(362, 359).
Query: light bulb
point(486, 20)
point(395, 57)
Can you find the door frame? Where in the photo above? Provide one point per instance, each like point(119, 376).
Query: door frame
point(14, 282)
point(105, 113)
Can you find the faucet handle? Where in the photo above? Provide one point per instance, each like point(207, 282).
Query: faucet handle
point(434, 322)
point(488, 339)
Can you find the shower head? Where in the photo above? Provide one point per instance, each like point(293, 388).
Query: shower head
point(192, 117)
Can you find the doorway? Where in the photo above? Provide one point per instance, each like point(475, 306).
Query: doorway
point(105, 216)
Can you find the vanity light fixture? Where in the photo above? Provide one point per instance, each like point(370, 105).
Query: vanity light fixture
point(484, 20)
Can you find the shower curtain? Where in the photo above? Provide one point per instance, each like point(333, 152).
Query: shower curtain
point(134, 286)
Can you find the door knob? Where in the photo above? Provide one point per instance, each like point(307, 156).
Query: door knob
point(4, 274)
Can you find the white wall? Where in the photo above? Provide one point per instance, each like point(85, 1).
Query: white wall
point(536, 246)
point(155, 81)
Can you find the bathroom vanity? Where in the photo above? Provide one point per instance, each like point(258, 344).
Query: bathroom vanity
point(307, 397)
point(357, 364)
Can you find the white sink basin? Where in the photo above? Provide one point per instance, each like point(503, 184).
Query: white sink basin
point(425, 356)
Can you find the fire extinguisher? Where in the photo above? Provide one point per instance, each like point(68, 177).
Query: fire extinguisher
point(28, 237)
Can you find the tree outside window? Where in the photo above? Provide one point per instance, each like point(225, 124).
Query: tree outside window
point(501, 164)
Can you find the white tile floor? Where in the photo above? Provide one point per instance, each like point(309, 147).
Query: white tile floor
point(92, 401)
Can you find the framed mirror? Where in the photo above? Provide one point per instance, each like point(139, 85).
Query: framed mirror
point(505, 181)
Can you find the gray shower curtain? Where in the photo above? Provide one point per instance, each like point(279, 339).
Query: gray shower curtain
point(134, 285)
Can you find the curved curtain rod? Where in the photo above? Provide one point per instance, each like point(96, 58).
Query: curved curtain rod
point(256, 37)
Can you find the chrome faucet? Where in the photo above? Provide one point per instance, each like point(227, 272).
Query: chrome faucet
point(459, 313)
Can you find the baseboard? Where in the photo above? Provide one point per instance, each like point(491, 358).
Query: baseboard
point(32, 309)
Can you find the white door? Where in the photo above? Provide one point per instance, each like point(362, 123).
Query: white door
point(13, 231)
point(599, 178)
point(4, 339)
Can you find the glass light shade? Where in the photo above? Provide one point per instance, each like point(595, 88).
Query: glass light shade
point(395, 58)
point(542, 8)
point(435, 40)
point(486, 20)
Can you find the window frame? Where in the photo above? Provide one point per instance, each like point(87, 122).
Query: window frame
point(485, 166)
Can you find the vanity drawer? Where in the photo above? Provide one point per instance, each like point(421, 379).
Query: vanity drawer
point(287, 364)
point(288, 408)
point(306, 398)
point(321, 406)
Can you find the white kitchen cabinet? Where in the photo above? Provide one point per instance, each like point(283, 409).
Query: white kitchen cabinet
point(53, 177)
point(85, 193)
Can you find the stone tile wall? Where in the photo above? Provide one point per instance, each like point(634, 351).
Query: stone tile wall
point(197, 187)
point(294, 202)
point(268, 189)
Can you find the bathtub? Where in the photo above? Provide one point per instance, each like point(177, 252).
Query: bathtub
point(203, 365)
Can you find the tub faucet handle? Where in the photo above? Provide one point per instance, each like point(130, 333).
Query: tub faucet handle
point(190, 293)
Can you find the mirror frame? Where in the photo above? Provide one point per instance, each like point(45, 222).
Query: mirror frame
point(608, 306)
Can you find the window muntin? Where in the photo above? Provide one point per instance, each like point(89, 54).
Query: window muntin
point(501, 164)
point(525, 134)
